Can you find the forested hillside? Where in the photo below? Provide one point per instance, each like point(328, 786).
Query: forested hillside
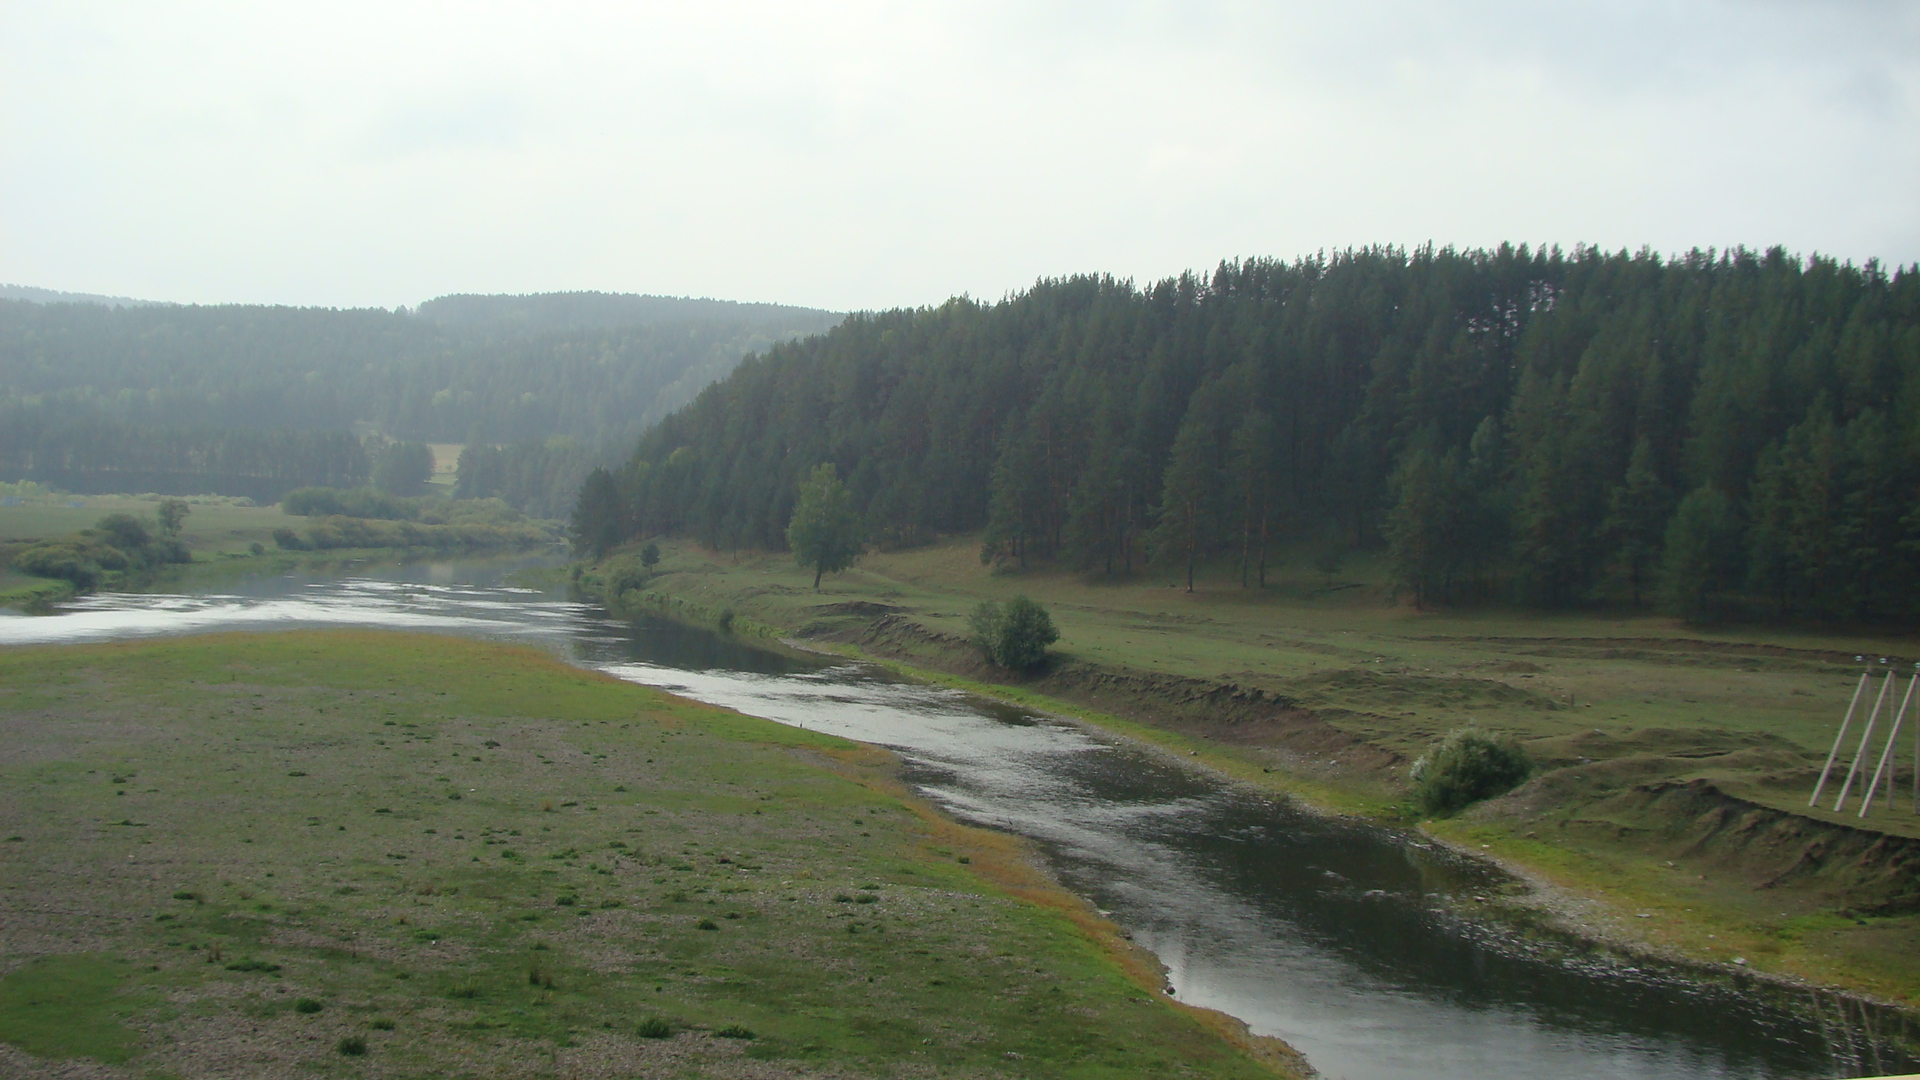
point(165, 390)
point(1558, 428)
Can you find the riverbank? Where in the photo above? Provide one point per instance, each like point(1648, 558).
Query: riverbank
point(1668, 815)
point(360, 853)
point(230, 539)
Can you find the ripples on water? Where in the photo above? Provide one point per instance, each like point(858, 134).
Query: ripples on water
point(1346, 941)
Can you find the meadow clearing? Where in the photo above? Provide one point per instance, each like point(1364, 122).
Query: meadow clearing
point(375, 854)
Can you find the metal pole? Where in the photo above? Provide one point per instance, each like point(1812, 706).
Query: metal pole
point(1893, 738)
point(1837, 739)
point(1854, 769)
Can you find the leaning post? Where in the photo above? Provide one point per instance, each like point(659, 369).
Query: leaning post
point(1837, 740)
point(1854, 769)
point(1893, 740)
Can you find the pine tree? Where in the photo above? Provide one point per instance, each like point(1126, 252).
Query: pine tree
point(1189, 492)
point(597, 516)
point(1637, 518)
point(1255, 446)
point(1700, 556)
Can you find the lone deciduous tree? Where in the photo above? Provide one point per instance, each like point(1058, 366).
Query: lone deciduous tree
point(172, 514)
point(1014, 636)
point(825, 531)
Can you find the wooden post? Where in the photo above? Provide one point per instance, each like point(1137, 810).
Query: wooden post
point(1854, 769)
point(1837, 739)
point(1893, 739)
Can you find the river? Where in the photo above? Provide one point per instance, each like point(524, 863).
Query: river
point(1360, 946)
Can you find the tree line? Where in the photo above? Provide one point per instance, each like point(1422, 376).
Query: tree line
point(1715, 430)
point(100, 454)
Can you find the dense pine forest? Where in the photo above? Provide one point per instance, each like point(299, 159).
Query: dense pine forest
point(1716, 431)
point(241, 399)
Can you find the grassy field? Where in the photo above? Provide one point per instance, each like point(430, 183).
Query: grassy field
point(363, 854)
point(1675, 763)
point(214, 525)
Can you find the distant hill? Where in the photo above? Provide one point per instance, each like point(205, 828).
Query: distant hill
point(54, 296)
point(598, 310)
point(90, 390)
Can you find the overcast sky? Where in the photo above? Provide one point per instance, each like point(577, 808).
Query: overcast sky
point(865, 155)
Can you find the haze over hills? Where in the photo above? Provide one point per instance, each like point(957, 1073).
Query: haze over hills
point(598, 310)
point(99, 397)
point(54, 296)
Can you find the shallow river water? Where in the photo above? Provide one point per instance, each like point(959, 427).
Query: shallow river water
point(1358, 945)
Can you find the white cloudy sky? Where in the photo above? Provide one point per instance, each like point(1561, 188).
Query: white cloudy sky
point(861, 155)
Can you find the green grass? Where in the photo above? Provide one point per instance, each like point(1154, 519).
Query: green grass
point(68, 1006)
point(1752, 710)
point(211, 527)
point(216, 828)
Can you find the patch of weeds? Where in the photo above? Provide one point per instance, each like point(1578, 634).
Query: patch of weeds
point(381, 1023)
point(842, 898)
point(467, 990)
point(653, 1027)
point(708, 924)
point(253, 965)
point(307, 1005)
point(185, 894)
point(296, 772)
point(351, 1046)
point(734, 1031)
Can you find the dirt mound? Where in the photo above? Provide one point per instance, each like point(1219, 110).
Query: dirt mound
point(866, 609)
point(1623, 801)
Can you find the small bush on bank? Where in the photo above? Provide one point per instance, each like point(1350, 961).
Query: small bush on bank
point(119, 543)
point(1466, 767)
point(1014, 636)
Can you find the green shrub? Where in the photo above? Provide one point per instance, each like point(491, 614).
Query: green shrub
point(734, 1031)
point(654, 1028)
point(307, 1005)
point(1014, 636)
point(71, 561)
point(1464, 768)
point(351, 1046)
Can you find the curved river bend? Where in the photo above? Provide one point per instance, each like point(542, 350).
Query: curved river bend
point(1343, 940)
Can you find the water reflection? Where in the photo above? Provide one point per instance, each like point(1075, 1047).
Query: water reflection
point(1344, 940)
